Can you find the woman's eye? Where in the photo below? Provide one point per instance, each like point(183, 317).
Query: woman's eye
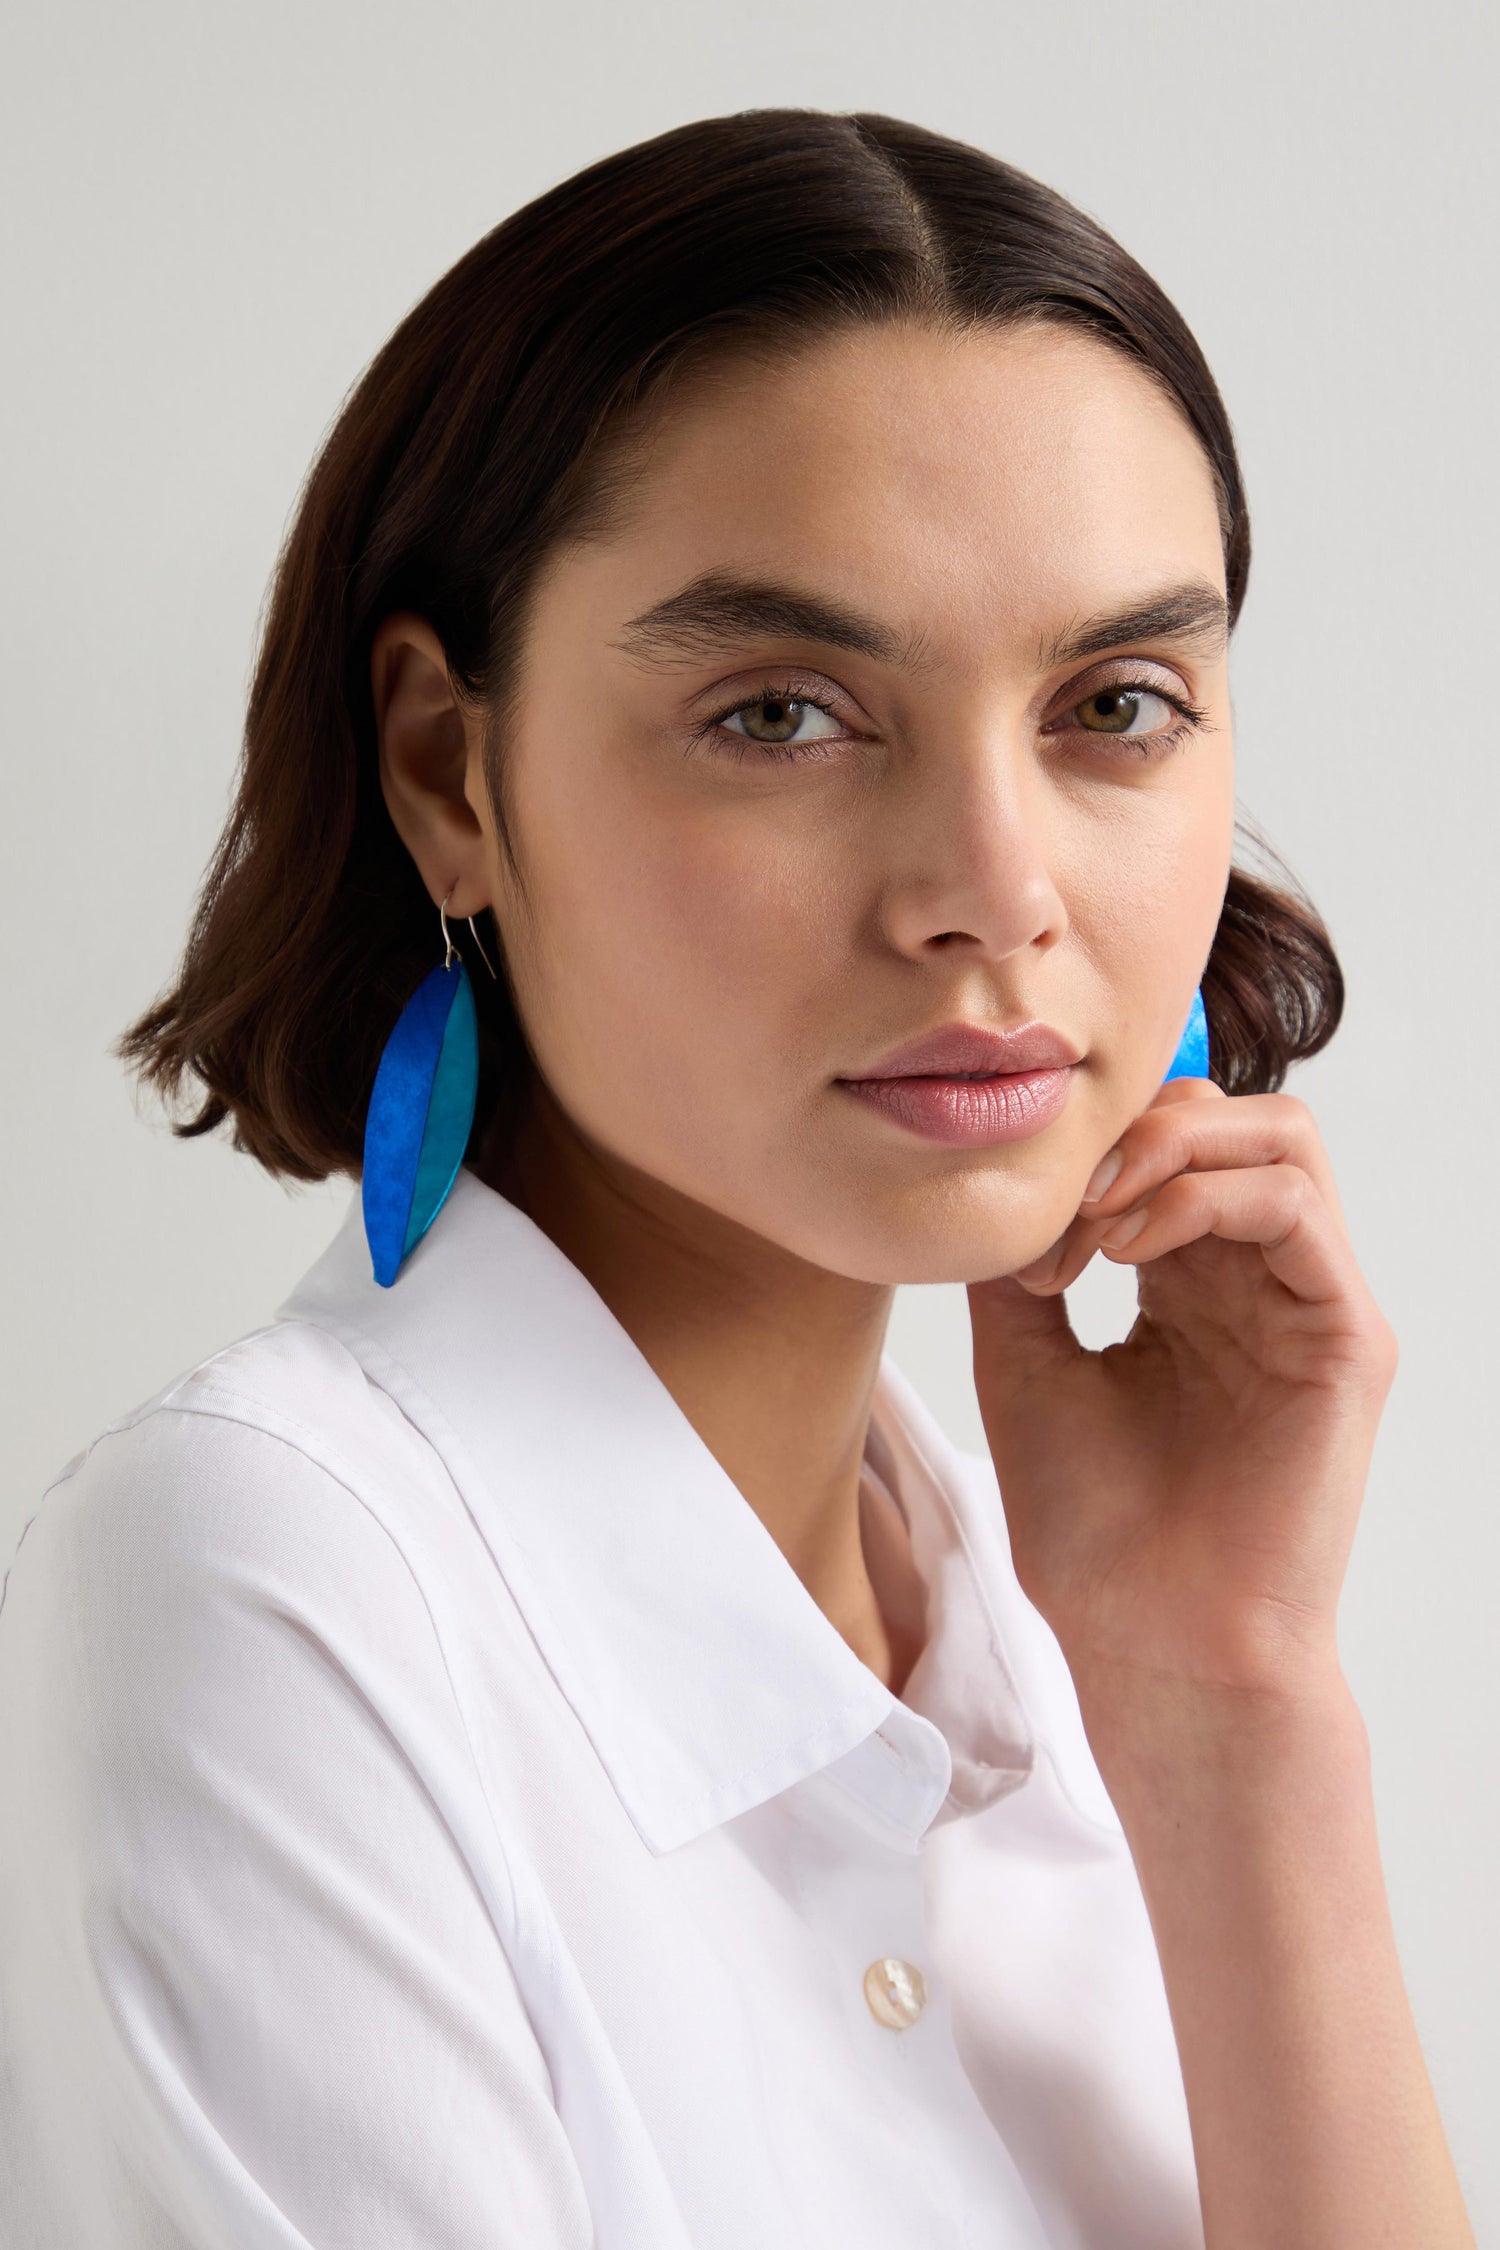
point(1125, 710)
point(776, 721)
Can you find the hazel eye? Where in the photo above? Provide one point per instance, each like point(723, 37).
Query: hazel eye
point(1124, 710)
point(775, 720)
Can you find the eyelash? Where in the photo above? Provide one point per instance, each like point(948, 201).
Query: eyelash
point(772, 691)
point(738, 746)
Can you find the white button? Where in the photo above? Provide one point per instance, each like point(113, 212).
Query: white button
point(897, 1993)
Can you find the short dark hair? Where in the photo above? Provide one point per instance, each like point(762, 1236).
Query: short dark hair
point(478, 438)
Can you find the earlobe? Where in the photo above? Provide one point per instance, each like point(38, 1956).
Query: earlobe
point(423, 731)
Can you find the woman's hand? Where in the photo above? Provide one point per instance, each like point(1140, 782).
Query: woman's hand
point(1181, 1505)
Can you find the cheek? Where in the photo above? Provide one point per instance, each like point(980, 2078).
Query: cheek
point(1151, 920)
point(673, 961)
point(1144, 917)
point(749, 918)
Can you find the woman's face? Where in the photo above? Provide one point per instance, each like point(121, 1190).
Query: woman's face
point(845, 733)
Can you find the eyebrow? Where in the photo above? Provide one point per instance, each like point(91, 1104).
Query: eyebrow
point(1193, 612)
point(717, 611)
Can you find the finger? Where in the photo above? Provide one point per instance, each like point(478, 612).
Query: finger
point(1249, 1129)
point(1185, 1090)
point(1060, 1265)
point(1190, 1125)
point(1278, 1207)
point(1017, 1337)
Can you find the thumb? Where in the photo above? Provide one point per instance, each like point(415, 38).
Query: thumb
point(1019, 1340)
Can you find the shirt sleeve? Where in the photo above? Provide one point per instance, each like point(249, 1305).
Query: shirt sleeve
point(250, 1990)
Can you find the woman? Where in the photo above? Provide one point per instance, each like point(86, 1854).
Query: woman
point(546, 1743)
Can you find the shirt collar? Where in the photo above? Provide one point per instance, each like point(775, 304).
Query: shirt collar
point(706, 1676)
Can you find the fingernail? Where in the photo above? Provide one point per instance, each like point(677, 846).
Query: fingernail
point(1042, 1268)
point(1105, 1173)
point(1126, 1231)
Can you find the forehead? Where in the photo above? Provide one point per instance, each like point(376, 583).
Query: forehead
point(984, 482)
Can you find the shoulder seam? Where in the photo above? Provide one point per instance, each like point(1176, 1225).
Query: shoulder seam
point(158, 1402)
point(259, 1418)
point(293, 1436)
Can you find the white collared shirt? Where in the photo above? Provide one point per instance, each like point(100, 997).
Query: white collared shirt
point(437, 1817)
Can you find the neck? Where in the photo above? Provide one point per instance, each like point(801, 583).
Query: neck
point(771, 1359)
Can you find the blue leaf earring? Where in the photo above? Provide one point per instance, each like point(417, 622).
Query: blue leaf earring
point(421, 1108)
point(1191, 1058)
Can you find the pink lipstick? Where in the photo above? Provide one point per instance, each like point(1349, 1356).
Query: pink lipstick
point(968, 1085)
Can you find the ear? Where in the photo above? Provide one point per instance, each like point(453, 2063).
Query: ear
point(431, 759)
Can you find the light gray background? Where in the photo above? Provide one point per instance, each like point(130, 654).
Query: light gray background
point(218, 214)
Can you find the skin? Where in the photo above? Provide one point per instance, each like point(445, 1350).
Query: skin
point(704, 942)
point(700, 944)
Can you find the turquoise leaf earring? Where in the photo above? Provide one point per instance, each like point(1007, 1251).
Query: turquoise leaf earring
point(1191, 1058)
point(421, 1109)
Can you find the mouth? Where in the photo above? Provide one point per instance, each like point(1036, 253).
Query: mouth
point(968, 1085)
point(967, 1052)
point(964, 1111)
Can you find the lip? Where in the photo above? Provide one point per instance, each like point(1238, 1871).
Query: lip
point(956, 1049)
point(930, 1088)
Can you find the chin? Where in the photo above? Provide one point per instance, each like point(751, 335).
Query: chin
point(953, 1230)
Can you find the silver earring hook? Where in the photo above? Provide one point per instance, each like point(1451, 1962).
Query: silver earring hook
point(482, 952)
point(450, 950)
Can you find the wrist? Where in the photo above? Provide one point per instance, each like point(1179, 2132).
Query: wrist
point(1163, 1742)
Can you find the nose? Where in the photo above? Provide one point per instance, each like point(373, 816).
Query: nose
point(971, 850)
